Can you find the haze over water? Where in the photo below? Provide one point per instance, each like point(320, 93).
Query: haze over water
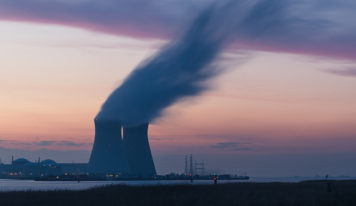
point(26, 185)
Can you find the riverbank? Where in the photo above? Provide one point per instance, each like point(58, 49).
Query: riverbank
point(336, 193)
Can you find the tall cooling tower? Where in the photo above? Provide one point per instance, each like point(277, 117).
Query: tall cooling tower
point(108, 155)
point(138, 151)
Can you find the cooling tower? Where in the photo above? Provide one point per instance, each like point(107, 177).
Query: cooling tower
point(108, 155)
point(138, 151)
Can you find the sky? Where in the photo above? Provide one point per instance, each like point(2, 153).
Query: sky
point(284, 104)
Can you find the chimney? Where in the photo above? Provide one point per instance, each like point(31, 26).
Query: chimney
point(138, 151)
point(107, 156)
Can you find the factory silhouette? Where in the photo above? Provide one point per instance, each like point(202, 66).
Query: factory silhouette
point(129, 155)
point(112, 157)
point(119, 153)
point(179, 70)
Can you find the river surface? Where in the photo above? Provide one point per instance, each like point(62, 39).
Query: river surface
point(31, 185)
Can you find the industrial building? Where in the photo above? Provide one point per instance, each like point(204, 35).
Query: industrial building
point(129, 156)
point(108, 155)
point(117, 151)
point(24, 169)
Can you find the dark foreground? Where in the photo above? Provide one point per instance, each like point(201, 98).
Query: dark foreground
point(305, 193)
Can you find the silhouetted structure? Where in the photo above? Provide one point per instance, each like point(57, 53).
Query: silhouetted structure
point(191, 165)
point(138, 152)
point(108, 155)
point(24, 169)
point(199, 168)
point(186, 165)
point(112, 155)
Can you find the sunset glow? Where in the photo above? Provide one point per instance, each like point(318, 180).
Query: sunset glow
point(54, 77)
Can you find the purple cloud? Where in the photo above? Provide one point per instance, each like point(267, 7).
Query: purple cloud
point(53, 144)
point(347, 72)
point(124, 17)
point(235, 146)
point(45, 143)
point(312, 27)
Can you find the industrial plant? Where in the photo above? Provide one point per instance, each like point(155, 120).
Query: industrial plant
point(130, 155)
point(112, 157)
point(22, 168)
point(49, 170)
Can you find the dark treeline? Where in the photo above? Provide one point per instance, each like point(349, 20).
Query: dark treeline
point(334, 193)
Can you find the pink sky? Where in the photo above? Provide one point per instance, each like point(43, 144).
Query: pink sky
point(52, 88)
point(53, 80)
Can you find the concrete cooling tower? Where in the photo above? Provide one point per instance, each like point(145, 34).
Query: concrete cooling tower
point(131, 156)
point(138, 151)
point(108, 154)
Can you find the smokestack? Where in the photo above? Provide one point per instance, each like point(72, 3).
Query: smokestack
point(107, 155)
point(138, 152)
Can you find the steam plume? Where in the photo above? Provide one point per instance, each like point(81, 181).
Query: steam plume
point(178, 70)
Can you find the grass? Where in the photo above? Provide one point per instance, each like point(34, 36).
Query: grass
point(313, 193)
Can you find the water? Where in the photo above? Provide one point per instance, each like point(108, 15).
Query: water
point(31, 185)
point(296, 179)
